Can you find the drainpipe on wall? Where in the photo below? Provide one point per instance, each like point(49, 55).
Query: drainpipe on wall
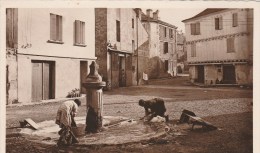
point(137, 69)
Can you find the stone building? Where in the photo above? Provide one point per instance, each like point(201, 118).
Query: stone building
point(220, 46)
point(162, 60)
point(118, 32)
point(182, 64)
point(48, 52)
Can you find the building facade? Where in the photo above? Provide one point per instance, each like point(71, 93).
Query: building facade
point(118, 33)
point(48, 52)
point(162, 45)
point(220, 46)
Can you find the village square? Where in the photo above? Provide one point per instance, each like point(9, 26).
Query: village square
point(129, 80)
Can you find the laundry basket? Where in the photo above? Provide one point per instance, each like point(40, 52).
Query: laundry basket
point(79, 130)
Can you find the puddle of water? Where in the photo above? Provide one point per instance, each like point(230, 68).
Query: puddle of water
point(125, 131)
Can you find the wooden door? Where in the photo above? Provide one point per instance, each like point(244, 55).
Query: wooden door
point(201, 76)
point(42, 80)
point(229, 75)
point(37, 82)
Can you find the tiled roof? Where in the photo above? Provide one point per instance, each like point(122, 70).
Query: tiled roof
point(205, 12)
point(146, 18)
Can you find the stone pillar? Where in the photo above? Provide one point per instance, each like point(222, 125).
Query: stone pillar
point(94, 85)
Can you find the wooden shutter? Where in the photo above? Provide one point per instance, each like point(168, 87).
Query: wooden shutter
point(216, 23)
point(60, 28)
point(83, 33)
point(193, 50)
point(77, 31)
point(118, 31)
point(234, 17)
point(220, 23)
point(133, 23)
point(46, 81)
point(52, 26)
point(197, 28)
point(36, 81)
point(165, 47)
point(192, 28)
point(165, 32)
point(230, 45)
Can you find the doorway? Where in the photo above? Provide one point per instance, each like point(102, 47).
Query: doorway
point(201, 75)
point(43, 80)
point(229, 75)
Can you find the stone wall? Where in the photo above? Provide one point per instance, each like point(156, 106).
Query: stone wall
point(244, 74)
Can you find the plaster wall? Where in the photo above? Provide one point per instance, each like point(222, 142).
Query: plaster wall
point(217, 50)
point(34, 28)
point(67, 76)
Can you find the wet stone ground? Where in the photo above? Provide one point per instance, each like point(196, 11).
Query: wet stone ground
point(229, 108)
point(117, 130)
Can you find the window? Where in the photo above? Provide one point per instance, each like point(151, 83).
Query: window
point(133, 46)
point(165, 47)
point(133, 23)
point(79, 32)
point(166, 65)
point(230, 45)
point(193, 50)
point(234, 20)
point(55, 28)
point(118, 30)
point(218, 23)
point(165, 32)
point(195, 28)
point(171, 33)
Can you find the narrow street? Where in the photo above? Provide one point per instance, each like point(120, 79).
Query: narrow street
point(228, 108)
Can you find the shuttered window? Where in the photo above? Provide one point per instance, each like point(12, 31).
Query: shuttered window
point(171, 33)
point(165, 47)
point(193, 50)
point(234, 20)
point(195, 28)
point(218, 23)
point(118, 30)
point(79, 32)
point(197, 32)
point(230, 45)
point(165, 32)
point(133, 46)
point(55, 27)
point(133, 23)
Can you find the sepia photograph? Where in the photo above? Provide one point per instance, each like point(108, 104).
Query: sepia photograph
point(173, 77)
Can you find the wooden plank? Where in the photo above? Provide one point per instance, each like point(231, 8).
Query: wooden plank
point(32, 123)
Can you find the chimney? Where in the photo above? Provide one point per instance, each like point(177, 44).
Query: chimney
point(155, 15)
point(149, 12)
point(138, 12)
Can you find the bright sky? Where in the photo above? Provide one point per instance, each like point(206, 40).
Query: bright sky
point(176, 15)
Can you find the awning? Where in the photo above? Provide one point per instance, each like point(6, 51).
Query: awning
point(118, 51)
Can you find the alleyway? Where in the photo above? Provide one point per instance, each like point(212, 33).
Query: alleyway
point(230, 104)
